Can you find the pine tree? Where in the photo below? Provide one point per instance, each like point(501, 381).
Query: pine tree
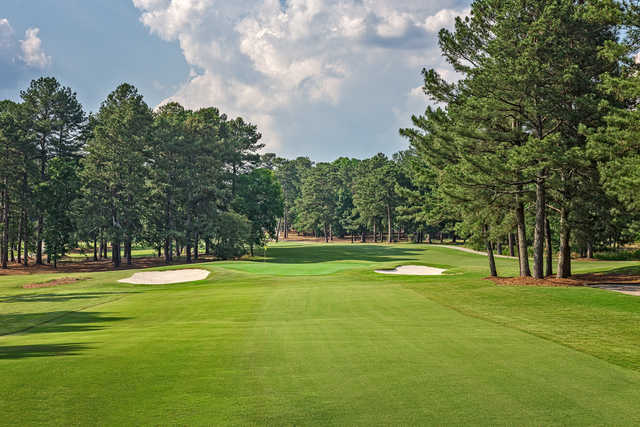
point(57, 119)
point(115, 165)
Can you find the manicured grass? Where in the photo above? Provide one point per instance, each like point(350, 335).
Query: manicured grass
point(310, 335)
point(135, 253)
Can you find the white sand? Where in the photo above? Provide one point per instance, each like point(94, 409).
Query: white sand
point(414, 270)
point(166, 277)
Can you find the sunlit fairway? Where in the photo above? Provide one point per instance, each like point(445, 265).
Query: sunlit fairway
point(309, 334)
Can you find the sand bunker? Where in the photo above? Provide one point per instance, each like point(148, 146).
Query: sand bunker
point(414, 270)
point(166, 277)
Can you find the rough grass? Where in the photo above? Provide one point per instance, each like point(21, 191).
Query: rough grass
point(310, 335)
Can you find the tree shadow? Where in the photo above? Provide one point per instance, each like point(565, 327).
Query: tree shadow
point(633, 270)
point(310, 254)
point(43, 350)
point(58, 297)
point(55, 322)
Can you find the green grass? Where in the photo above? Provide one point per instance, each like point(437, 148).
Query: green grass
point(310, 335)
point(135, 253)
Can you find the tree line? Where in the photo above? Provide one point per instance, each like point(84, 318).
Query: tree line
point(173, 179)
point(378, 198)
point(534, 151)
point(540, 132)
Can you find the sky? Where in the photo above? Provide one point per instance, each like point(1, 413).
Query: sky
point(320, 78)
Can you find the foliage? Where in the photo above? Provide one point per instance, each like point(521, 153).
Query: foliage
point(259, 198)
point(232, 235)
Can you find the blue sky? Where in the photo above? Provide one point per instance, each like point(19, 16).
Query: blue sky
point(322, 78)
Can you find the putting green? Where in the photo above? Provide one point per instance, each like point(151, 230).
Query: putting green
point(337, 347)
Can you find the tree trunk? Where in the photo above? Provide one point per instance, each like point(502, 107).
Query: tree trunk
point(589, 249)
point(363, 237)
point(549, 246)
point(286, 224)
point(326, 236)
point(159, 249)
point(128, 250)
point(441, 237)
point(188, 253)
point(20, 239)
point(564, 258)
point(95, 248)
point(278, 230)
point(492, 261)
point(512, 251)
point(25, 237)
point(453, 237)
point(39, 240)
point(5, 231)
point(389, 236)
point(115, 253)
point(178, 250)
point(167, 250)
point(375, 233)
point(207, 246)
point(522, 241)
point(429, 241)
point(499, 247)
point(331, 232)
point(538, 234)
point(196, 249)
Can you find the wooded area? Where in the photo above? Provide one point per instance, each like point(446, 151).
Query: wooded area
point(171, 178)
point(535, 146)
point(535, 150)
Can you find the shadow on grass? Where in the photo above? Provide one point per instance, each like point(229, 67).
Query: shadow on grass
point(44, 350)
point(311, 254)
point(55, 322)
point(58, 297)
point(633, 270)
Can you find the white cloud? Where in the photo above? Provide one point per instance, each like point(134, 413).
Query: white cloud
point(32, 53)
point(443, 19)
point(19, 59)
point(272, 61)
point(7, 39)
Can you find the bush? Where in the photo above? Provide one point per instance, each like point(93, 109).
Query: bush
point(619, 255)
point(233, 232)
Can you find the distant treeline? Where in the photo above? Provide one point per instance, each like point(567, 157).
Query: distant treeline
point(170, 178)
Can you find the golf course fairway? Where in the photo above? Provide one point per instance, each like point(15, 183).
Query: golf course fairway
point(309, 334)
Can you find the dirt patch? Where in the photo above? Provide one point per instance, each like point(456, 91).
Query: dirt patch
point(530, 281)
point(56, 282)
point(88, 266)
point(624, 283)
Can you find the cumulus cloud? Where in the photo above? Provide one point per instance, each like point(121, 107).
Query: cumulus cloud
point(32, 52)
point(278, 63)
point(19, 58)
